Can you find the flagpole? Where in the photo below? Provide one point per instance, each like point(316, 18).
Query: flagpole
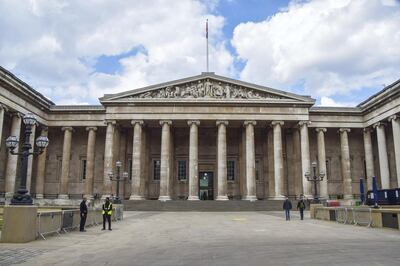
point(207, 42)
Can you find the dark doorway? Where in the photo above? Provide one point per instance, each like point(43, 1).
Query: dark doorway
point(206, 185)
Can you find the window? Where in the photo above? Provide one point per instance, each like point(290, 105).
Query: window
point(181, 170)
point(257, 170)
point(328, 168)
point(156, 169)
point(83, 169)
point(231, 170)
point(130, 169)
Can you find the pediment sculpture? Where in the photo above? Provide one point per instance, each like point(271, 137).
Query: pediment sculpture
point(206, 89)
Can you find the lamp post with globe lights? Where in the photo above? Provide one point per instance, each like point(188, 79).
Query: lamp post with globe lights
point(315, 179)
point(125, 175)
point(22, 196)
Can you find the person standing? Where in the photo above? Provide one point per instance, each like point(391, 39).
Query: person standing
point(107, 212)
point(301, 206)
point(83, 214)
point(287, 206)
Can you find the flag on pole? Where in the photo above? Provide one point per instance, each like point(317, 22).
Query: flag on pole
point(207, 28)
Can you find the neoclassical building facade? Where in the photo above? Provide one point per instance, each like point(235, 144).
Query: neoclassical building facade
point(202, 137)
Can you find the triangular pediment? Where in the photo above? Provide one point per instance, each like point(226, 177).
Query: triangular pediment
point(206, 87)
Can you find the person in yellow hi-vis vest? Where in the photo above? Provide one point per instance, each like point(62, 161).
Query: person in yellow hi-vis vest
point(107, 212)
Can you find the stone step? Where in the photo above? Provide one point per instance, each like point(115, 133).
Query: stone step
point(206, 206)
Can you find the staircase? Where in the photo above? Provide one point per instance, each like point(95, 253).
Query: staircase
point(203, 205)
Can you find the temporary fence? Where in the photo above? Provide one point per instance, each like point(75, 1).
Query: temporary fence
point(354, 215)
point(62, 221)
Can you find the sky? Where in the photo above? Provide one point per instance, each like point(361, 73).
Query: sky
point(339, 52)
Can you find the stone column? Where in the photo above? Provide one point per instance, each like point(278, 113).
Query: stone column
point(12, 160)
point(90, 155)
point(345, 162)
point(165, 167)
point(41, 168)
point(221, 160)
point(396, 141)
point(108, 158)
point(369, 157)
point(137, 185)
point(323, 185)
point(250, 162)
point(193, 160)
point(30, 159)
point(383, 157)
point(305, 157)
point(278, 159)
point(3, 109)
point(66, 157)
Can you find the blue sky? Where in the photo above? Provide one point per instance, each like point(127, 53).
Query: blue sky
point(338, 51)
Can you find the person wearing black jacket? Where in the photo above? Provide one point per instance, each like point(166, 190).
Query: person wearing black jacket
point(83, 212)
point(287, 206)
point(301, 205)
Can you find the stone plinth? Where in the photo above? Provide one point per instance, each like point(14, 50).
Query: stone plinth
point(19, 224)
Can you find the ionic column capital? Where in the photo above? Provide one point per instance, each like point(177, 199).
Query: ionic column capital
point(67, 129)
point(168, 122)
point(320, 129)
point(91, 128)
point(378, 124)
point(222, 122)
point(249, 122)
point(3, 107)
point(110, 121)
point(393, 118)
point(140, 122)
point(342, 130)
point(16, 114)
point(306, 123)
point(274, 123)
point(368, 129)
point(193, 122)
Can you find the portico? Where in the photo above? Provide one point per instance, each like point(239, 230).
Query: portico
point(204, 134)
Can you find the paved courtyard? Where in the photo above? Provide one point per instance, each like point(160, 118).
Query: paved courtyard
point(194, 238)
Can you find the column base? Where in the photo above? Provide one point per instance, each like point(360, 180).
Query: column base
point(63, 196)
point(224, 197)
point(103, 197)
point(88, 196)
point(164, 198)
point(348, 197)
point(9, 195)
point(279, 197)
point(250, 198)
point(39, 196)
point(136, 197)
point(193, 198)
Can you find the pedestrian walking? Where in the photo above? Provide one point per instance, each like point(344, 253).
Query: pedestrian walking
point(83, 214)
point(287, 206)
point(301, 206)
point(107, 212)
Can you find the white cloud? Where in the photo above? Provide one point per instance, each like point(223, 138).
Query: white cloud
point(333, 47)
point(326, 101)
point(53, 45)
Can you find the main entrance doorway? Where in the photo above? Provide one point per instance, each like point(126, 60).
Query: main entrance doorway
point(206, 185)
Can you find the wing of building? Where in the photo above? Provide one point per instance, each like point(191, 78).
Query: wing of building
point(202, 137)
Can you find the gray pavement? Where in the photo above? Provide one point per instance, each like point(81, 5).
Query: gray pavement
point(198, 238)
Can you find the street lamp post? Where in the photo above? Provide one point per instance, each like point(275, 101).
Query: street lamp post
point(315, 179)
point(22, 196)
point(118, 164)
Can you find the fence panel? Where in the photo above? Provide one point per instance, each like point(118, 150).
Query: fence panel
point(49, 223)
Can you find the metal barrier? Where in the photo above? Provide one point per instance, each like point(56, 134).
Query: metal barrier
point(354, 215)
point(362, 216)
point(52, 222)
point(59, 221)
point(341, 215)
